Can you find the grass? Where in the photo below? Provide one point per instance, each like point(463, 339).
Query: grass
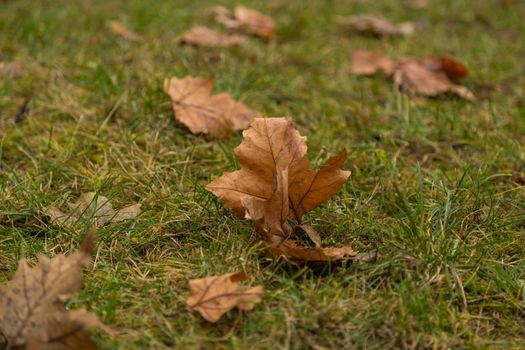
point(431, 187)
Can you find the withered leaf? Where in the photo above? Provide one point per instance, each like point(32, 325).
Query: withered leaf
point(371, 62)
point(196, 107)
point(271, 144)
point(377, 25)
point(291, 250)
point(91, 206)
point(276, 182)
point(203, 36)
point(415, 79)
point(119, 29)
point(32, 308)
point(427, 76)
point(246, 20)
point(213, 296)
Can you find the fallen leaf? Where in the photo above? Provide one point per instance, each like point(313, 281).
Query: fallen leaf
point(415, 79)
point(276, 183)
point(371, 62)
point(377, 25)
point(269, 144)
point(245, 20)
point(91, 206)
point(119, 29)
point(203, 36)
point(196, 107)
point(427, 76)
point(213, 296)
point(33, 313)
point(291, 250)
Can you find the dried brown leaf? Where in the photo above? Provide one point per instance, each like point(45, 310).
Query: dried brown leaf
point(271, 144)
point(371, 62)
point(119, 29)
point(203, 36)
point(291, 250)
point(377, 25)
point(91, 206)
point(202, 112)
point(246, 20)
point(415, 79)
point(276, 182)
point(427, 76)
point(32, 308)
point(213, 296)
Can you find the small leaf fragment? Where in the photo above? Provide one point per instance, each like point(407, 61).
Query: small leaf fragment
point(377, 25)
point(119, 29)
point(245, 20)
point(213, 296)
point(203, 36)
point(91, 206)
point(291, 250)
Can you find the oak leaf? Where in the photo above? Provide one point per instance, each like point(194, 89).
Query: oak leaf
point(276, 183)
point(245, 20)
point(33, 314)
point(119, 29)
point(213, 296)
point(196, 107)
point(377, 25)
point(91, 206)
point(203, 36)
